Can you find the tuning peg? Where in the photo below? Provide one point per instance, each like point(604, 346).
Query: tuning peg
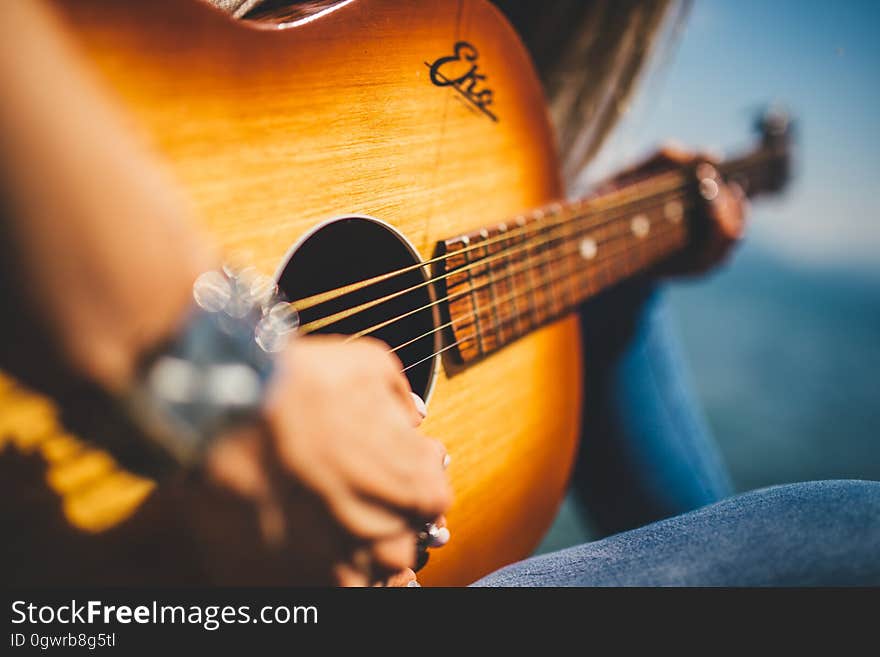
point(774, 124)
point(776, 129)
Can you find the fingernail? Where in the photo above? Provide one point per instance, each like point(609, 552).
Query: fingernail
point(438, 536)
point(420, 405)
point(412, 584)
point(446, 461)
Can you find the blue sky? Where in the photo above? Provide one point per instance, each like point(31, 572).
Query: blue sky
point(821, 59)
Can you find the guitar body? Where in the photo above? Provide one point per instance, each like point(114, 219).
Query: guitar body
point(272, 130)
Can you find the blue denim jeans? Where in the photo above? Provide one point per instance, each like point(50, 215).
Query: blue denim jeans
point(654, 484)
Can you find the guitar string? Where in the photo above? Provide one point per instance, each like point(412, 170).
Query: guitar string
point(596, 207)
point(529, 266)
point(547, 282)
point(543, 231)
point(595, 202)
point(344, 314)
point(517, 316)
point(572, 226)
point(476, 334)
point(528, 269)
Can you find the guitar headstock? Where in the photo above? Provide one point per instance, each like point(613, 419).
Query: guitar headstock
point(776, 132)
point(766, 169)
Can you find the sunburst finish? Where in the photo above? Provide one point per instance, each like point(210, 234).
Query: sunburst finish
point(272, 130)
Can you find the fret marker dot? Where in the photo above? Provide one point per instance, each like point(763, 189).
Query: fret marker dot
point(640, 226)
point(673, 211)
point(588, 248)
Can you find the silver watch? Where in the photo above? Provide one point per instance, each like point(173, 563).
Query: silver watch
point(212, 375)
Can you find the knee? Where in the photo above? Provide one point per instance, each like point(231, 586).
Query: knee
point(827, 531)
point(830, 498)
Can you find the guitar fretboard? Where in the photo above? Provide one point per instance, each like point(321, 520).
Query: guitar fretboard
point(503, 281)
point(509, 279)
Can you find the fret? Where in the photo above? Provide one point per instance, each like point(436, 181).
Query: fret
point(551, 272)
point(498, 317)
point(524, 276)
point(461, 305)
point(561, 271)
point(625, 263)
point(571, 259)
point(627, 244)
point(659, 239)
point(546, 261)
point(585, 250)
point(484, 292)
point(674, 227)
point(588, 251)
point(673, 211)
point(591, 251)
point(633, 231)
point(601, 277)
point(498, 286)
point(554, 262)
point(640, 229)
point(500, 274)
point(540, 270)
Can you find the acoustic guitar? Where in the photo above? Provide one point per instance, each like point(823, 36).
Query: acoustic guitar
point(393, 165)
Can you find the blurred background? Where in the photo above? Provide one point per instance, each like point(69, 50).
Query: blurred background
point(784, 342)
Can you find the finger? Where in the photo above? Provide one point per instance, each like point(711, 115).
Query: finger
point(416, 410)
point(738, 191)
point(395, 553)
point(272, 520)
point(404, 578)
point(234, 462)
point(347, 575)
point(388, 364)
point(409, 480)
point(363, 518)
point(414, 405)
point(743, 207)
point(431, 493)
point(402, 469)
point(439, 449)
point(727, 214)
point(366, 518)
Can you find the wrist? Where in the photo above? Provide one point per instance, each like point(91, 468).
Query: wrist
point(211, 376)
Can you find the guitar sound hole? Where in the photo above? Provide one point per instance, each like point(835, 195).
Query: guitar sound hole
point(355, 249)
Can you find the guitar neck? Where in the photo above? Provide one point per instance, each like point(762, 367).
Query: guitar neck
point(506, 280)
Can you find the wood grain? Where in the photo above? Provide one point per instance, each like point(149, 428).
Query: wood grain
point(271, 131)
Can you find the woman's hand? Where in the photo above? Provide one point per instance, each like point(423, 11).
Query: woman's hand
point(404, 579)
point(338, 483)
point(724, 214)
